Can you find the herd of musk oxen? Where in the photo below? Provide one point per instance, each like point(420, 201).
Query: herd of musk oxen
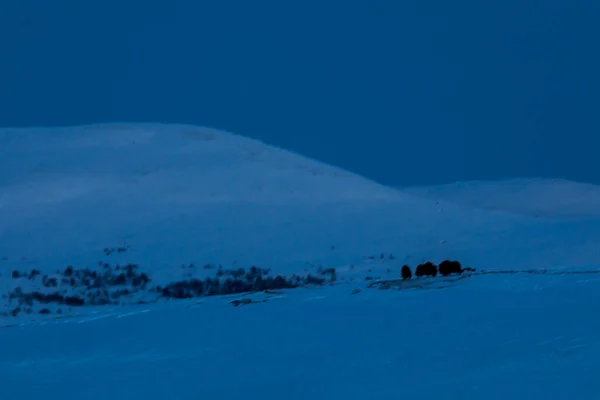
point(445, 268)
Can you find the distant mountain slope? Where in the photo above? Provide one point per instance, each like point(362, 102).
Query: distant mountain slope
point(176, 194)
point(546, 198)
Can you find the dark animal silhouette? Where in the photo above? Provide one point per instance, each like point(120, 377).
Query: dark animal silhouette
point(448, 267)
point(426, 269)
point(406, 272)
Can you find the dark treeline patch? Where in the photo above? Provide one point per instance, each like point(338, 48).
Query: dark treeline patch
point(108, 277)
point(240, 281)
point(31, 275)
point(76, 287)
point(73, 301)
point(29, 299)
point(95, 287)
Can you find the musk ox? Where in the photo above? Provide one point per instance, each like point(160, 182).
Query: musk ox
point(426, 269)
point(406, 272)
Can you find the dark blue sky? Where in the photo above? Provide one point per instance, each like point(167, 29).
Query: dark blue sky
point(404, 92)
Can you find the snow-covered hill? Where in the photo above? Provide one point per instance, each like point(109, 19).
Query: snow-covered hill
point(536, 197)
point(177, 200)
point(181, 194)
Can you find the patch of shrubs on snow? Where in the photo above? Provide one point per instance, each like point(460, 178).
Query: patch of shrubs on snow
point(382, 256)
point(27, 300)
point(88, 287)
point(241, 281)
point(74, 287)
point(31, 275)
point(109, 250)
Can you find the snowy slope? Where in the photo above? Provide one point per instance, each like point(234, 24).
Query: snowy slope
point(180, 194)
point(545, 198)
point(173, 195)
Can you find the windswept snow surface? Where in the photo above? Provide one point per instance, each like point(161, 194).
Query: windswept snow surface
point(521, 337)
point(176, 195)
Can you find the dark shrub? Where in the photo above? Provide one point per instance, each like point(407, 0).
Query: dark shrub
point(259, 284)
point(313, 280)
point(254, 273)
point(281, 283)
point(118, 293)
point(29, 298)
point(176, 290)
point(211, 287)
point(74, 301)
point(49, 282)
point(97, 283)
point(239, 286)
point(99, 298)
point(331, 272)
point(34, 273)
point(53, 298)
point(196, 287)
point(120, 279)
point(130, 270)
point(39, 297)
point(238, 273)
point(140, 280)
point(241, 302)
